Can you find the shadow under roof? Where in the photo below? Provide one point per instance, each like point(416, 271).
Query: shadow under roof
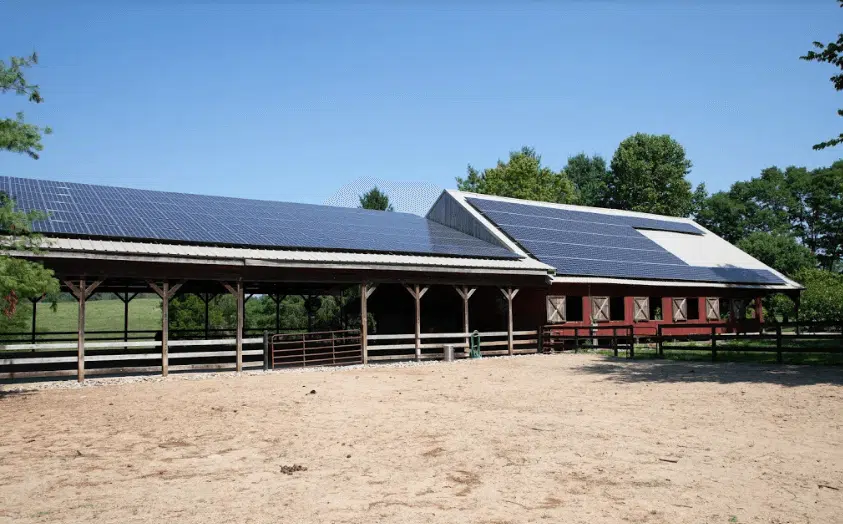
point(93, 211)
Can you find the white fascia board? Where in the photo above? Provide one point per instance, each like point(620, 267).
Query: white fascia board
point(671, 283)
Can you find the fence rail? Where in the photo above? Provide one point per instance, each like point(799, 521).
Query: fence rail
point(384, 348)
point(714, 337)
point(327, 348)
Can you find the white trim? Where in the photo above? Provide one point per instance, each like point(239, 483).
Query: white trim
point(668, 283)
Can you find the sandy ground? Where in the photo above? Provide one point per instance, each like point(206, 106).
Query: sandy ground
point(569, 438)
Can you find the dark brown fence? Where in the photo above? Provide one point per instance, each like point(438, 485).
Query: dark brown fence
point(779, 338)
point(327, 348)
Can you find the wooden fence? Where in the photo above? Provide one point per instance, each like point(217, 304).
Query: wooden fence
point(431, 345)
point(327, 348)
point(779, 338)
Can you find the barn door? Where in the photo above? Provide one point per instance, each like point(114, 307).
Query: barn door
point(680, 309)
point(641, 309)
point(556, 309)
point(600, 309)
point(712, 308)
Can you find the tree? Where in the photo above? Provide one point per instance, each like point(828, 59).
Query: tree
point(521, 176)
point(19, 278)
point(15, 134)
point(648, 174)
point(781, 252)
point(589, 175)
point(806, 204)
point(831, 53)
point(375, 199)
point(822, 299)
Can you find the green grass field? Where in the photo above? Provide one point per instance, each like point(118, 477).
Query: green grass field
point(101, 315)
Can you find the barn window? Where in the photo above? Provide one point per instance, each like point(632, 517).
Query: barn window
point(640, 309)
point(693, 308)
point(656, 312)
point(556, 310)
point(712, 309)
point(616, 309)
point(600, 309)
point(680, 309)
point(573, 307)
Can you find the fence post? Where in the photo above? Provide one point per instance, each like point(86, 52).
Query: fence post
point(659, 340)
point(576, 340)
point(266, 350)
point(615, 340)
point(631, 331)
point(779, 357)
point(713, 343)
point(540, 348)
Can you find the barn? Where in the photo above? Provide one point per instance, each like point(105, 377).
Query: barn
point(503, 267)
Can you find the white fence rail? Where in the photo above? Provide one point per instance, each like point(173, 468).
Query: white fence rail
point(384, 347)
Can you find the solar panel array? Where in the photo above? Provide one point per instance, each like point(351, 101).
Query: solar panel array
point(120, 213)
point(585, 243)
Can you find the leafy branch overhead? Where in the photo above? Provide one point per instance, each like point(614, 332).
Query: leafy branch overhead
point(16, 135)
point(831, 53)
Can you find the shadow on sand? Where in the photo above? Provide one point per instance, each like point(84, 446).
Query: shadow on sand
point(622, 370)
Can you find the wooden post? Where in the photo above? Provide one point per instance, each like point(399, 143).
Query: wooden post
point(713, 343)
point(265, 350)
point(81, 292)
point(166, 293)
point(779, 356)
point(366, 291)
point(759, 311)
point(465, 293)
point(659, 338)
point(34, 316)
point(207, 298)
point(509, 294)
point(241, 307)
point(417, 292)
point(615, 340)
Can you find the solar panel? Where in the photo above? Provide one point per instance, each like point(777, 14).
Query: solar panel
point(121, 213)
point(595, 244)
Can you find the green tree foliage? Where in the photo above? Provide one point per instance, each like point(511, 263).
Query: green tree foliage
point(648, 174)
point(589, 174)
point(15, 134)
point(831, 53)
point(781, 252)
point(375, 199)
point(822, 299)
point(20, 279)
point(807, 204)
point(521, 176)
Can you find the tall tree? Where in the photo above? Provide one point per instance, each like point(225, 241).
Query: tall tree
point(375, 199)
point(830, 53)
point(648, 174)
point(15, 134)
point(521, 176)
point(589, 175)
point(19, 278)
point(781, 252)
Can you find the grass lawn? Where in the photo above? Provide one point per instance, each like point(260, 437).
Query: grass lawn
point(101, 315)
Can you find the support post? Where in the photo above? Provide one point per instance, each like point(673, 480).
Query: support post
point(465, 292)
point(366, 291)
point(207, 299)
point(779, 356)
point(81, 292)
point(509, 293)
point(237, 291)
point(417, 292)
point(166, 293)
point(278, 300)
point(713, 343)
point(659, 338)
point(126, 318)
point(265, 350)
point(34, 316)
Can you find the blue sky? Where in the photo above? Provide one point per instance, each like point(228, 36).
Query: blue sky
point(289, 102)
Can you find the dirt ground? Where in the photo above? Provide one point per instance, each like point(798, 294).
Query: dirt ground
point(568, 438)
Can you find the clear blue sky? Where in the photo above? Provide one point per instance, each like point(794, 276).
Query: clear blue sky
point(289, 102)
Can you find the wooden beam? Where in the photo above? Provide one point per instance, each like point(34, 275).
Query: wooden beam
point(74, 289)
point(165, 328)
point(241, 306)
point(509, 293)
point(364, 321)
point(417, 292)
point(465, 293)
point(370, 289)
point(80, 348)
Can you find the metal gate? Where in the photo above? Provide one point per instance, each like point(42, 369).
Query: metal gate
point(326, 348)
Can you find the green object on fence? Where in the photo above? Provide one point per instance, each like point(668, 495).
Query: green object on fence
point(474, 344)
